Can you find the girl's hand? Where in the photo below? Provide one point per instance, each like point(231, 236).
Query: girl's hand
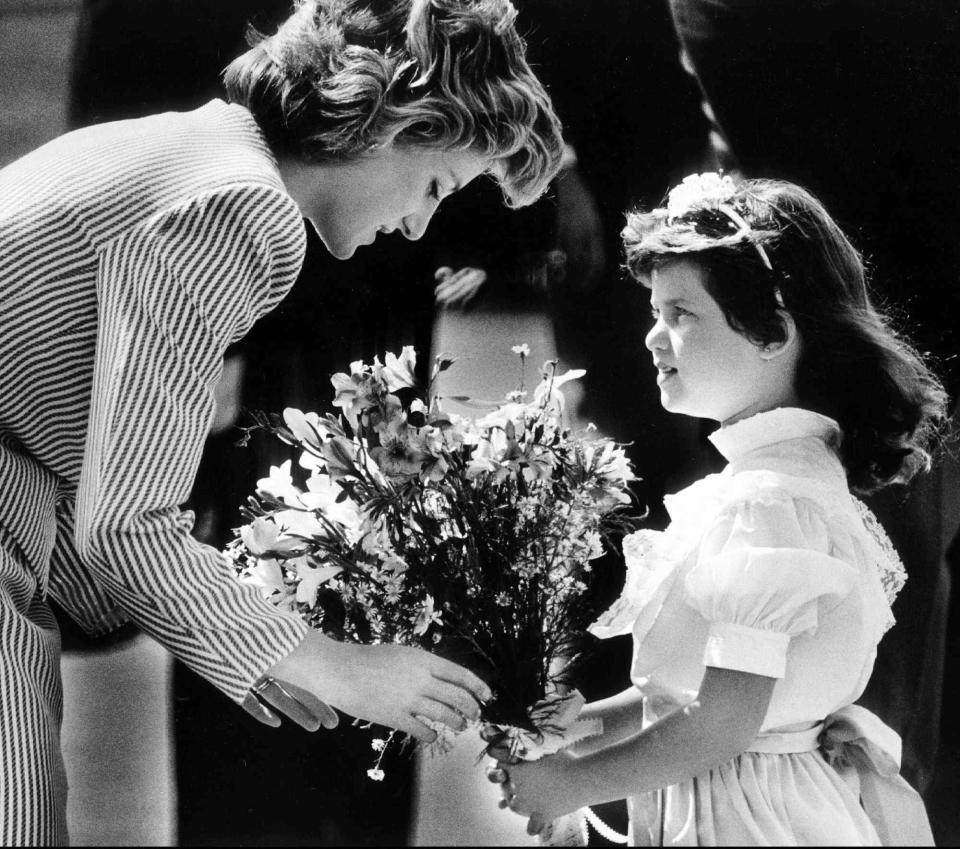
point(541, 790)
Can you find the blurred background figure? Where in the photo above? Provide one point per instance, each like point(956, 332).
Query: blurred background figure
point(857, 102)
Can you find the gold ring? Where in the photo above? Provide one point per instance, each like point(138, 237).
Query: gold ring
point(262, 685)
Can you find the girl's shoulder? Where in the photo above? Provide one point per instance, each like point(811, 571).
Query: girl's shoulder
point(732, 491)
point(792, 511)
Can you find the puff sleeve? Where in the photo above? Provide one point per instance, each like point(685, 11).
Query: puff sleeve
point(764, 574)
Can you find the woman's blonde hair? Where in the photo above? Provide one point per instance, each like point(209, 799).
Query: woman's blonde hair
point(341, 78)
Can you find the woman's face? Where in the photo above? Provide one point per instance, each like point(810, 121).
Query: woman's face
point(396, 188)
point(704, 367)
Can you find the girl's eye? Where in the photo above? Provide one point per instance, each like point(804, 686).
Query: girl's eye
point(435, 190)
point(671, 315)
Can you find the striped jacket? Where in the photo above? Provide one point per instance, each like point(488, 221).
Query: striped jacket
point(131, 255)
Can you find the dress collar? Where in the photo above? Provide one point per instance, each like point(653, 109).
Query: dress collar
point(771, 427)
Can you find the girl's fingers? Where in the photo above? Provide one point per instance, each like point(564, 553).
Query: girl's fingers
point(536, 824)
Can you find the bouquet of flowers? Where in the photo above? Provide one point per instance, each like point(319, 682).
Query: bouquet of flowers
point(473, 538)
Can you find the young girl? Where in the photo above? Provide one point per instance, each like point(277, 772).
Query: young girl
point(756, 615)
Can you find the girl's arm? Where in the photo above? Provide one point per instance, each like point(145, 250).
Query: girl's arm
point(622, 717)
point(718, 726)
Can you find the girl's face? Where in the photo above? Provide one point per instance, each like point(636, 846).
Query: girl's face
point(393, 189)
point(704, 367)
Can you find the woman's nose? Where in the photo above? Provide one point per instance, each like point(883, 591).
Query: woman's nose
point(415, 225)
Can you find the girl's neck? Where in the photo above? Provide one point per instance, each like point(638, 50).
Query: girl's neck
point(786, 400)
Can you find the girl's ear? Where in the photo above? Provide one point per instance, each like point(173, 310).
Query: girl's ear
point(775, 349)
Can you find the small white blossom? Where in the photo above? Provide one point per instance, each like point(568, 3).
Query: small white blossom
point(699, 190)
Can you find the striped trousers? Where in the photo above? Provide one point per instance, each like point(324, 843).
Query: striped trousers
point(33, 783)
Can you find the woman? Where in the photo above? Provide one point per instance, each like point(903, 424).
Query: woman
point(131, 255)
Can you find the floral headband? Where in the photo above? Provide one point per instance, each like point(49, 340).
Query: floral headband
point(710, 190)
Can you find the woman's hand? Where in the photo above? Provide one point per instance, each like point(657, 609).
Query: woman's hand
point(394, 686)
point(542, 790)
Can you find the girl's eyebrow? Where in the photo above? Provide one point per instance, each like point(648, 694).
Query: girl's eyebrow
point(670, 302)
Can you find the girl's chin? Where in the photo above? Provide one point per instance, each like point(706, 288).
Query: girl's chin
point(681, 407)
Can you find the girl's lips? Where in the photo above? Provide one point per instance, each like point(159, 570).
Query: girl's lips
point(664, 374)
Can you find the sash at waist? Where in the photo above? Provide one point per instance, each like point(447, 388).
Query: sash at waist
point(865, 752)
point(788, 742)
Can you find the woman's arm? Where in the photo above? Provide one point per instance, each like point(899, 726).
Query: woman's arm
point(712, 730)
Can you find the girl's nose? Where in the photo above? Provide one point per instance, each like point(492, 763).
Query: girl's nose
point(656, 339)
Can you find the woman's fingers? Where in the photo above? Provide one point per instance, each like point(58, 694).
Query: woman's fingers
point(454, 697)
point(444, 670)
point(260, 713)
point(413, 727)
point(438, 712)
point(298, 704)
point(326, 715)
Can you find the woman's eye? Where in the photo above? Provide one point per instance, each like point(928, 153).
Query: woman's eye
point(435, 190)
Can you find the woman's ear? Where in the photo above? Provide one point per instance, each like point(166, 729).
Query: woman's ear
point(773, 350)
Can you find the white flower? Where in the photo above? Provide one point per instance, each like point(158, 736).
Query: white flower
point(426, 617)
point(523, 350)
point(311, 579)
point(298, 523)
point(399, 372)
point(378, 744)
point(699, 190)
point(325, 494)
point(267, 577)
point(548, 392)
point(614, 465)
point(263, 535)
point(309, 428)
point(279, 485)
point(375, 774)
point(595, 544)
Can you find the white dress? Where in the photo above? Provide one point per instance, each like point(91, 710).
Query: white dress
point(771, 567)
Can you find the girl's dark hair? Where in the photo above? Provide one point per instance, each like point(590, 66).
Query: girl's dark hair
point(341, 78)
point(854, 366)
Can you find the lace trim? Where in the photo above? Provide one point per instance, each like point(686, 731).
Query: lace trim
point(890, 567)
point(637, 548)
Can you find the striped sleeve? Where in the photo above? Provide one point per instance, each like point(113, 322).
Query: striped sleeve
point(173, 293)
